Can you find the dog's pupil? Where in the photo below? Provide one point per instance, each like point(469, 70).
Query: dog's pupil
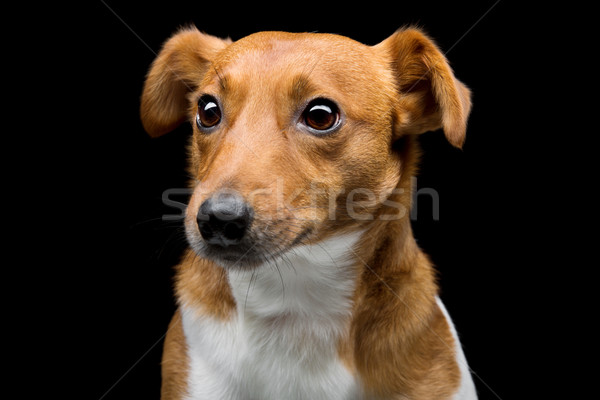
point(320, 115)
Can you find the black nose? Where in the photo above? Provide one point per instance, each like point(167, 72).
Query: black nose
point(224, 218)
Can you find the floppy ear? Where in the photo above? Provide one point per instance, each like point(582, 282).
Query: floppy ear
point(176, 71)
point(430, 96)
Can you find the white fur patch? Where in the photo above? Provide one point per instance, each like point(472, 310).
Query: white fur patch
point(282, 344)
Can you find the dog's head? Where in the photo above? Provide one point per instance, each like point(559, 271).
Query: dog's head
point(296, 136)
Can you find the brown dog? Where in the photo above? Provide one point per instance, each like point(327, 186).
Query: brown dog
point(303, 280)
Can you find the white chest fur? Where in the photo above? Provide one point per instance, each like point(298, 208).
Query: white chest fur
point(282, 343)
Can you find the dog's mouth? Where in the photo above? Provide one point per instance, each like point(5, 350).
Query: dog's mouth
point(257, 247)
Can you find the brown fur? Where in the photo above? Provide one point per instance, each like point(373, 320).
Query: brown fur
point(174, 362)
point(398, 342)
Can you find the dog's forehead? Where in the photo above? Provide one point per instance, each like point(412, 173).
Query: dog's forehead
point(274, 54)
point(268, 48)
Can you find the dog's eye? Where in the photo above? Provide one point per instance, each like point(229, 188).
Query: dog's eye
point(321, 115)
point(209, 113)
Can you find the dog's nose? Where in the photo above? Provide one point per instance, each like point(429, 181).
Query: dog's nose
point(224, 218)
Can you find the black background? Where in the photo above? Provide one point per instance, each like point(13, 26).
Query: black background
point(121, 253)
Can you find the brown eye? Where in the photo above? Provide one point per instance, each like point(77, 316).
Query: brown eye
point(321, 115)
point(209, 113)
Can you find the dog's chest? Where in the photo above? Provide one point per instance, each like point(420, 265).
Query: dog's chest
point(283, 342)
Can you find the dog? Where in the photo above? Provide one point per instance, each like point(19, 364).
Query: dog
point(303, 279)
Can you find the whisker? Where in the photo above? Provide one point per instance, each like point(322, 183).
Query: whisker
point(282, 284)
point(252, 278)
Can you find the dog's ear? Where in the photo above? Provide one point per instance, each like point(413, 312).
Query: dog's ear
point(430, 96)
point(176, 71)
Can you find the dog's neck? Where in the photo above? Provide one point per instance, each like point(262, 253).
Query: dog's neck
point(321, 282)
point(310, 282)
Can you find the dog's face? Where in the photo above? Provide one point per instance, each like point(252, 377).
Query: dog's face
point(296, 135)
